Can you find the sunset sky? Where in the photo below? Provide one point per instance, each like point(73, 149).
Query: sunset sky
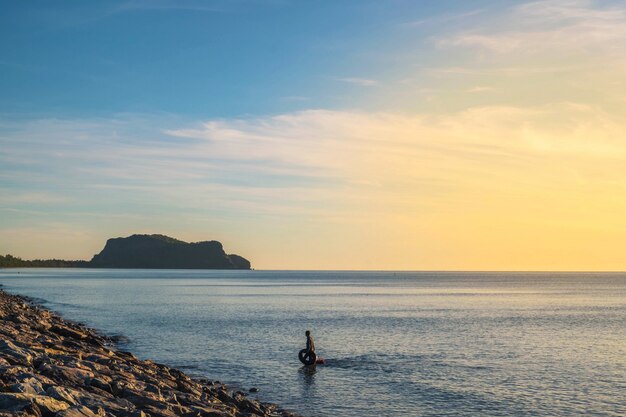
point(365, 134)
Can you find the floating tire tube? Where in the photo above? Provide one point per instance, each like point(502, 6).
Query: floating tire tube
point(307, 358)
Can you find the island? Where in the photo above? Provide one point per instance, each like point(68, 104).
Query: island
point(146, 251)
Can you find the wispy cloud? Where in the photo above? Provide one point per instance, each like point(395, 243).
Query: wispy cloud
point(442, 18)
point(502, 71)
point(555, 25)
point(9, 196)
point(335, 172)
point(532, 126)
point(295, 98)
point(363, 82)
point(479, 89)
point(170, 5)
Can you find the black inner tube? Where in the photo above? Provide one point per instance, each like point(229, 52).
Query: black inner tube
point(306, 357)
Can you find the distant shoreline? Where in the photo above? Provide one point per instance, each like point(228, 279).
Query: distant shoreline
point(114, 267)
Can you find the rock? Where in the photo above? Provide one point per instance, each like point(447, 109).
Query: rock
point(140, 399)
point(58, 372)
point(14, 354)
point(54, 352)
point(52, 367)
point(33, 410)
point(16, 318)
point(268, 408)
point(100, 393)
point(247, 405)
point(68, 395)
point(189, 387)
point(77, 411)
point(13, 402)
point(153, 389)
point(49, 405)
point(99, 383)
point(44, 324)
point(98, 358)
point(224, 397)
point(115, 406)
point(119, 339)
point(28, 386)
point(17, 402)
point(67, 332)
point(210, 412)
point(126, 354)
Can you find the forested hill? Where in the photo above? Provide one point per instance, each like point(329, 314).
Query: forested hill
point(145, 251)
point(159, 251)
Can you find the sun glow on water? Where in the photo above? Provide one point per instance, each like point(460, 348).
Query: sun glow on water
point(395, 343)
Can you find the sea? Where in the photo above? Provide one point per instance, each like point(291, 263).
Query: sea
point(395, 343)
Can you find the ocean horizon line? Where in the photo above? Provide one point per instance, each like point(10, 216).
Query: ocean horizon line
point(495, 271)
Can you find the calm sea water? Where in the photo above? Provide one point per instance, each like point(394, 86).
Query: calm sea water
point(396, 344)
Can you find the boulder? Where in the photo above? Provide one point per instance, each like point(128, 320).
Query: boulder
point(49, 405)
point(28, 386)
point(13, 401)
point(211, 412)
point(142, 399)
point(50, 367)
point(66, 373)
point(68, 332)
point(103, 385)
point(77, 411)
point(14, 354)
point(67, 395)
point(114, 406)
point(98, 358)
point(17, 402)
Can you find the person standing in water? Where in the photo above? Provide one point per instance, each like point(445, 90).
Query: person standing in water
point(310, 345)
point(307, 355)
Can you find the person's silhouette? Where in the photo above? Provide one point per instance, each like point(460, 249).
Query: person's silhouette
point(310, 345)
point(307, 355)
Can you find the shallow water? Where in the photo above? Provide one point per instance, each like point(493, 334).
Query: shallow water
point(396, 344)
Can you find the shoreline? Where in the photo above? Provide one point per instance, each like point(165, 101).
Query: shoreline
point(50, 366)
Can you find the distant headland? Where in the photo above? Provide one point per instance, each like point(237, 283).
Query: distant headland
point(145, 251)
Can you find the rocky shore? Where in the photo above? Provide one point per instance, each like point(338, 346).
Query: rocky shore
point(50, 366)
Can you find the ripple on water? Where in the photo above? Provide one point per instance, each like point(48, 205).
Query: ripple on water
point(419, 344)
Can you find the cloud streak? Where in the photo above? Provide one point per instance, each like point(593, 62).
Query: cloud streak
point(338, 170)
point(362, 82)
point(555, 25)
point(520, 144)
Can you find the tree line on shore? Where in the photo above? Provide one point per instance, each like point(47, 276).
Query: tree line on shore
point(10, 261)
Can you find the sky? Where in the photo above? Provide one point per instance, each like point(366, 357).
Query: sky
point(365, 134)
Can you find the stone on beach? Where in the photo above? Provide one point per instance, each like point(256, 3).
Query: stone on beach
point(51, 367)
point(14, 354)
point(78, 411)
point(28, 386)
point(17, 402)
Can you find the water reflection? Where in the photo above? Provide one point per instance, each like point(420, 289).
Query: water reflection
point(436, 343)
point(308, 374)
